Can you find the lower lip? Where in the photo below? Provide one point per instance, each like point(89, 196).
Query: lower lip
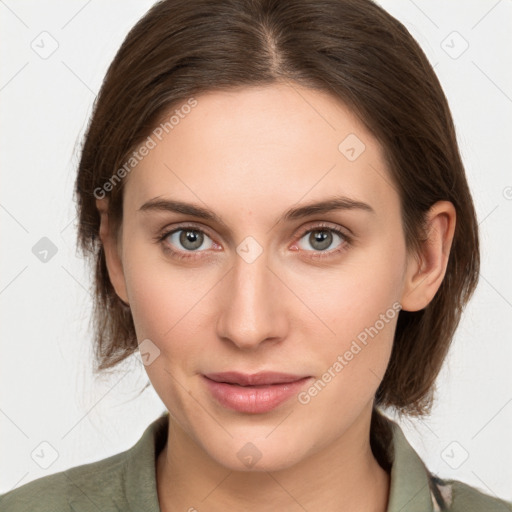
point(253, 399)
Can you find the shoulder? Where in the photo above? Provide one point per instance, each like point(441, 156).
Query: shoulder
point(118, 482)
point(457, 496)
point(414, 487)
point(95, 485)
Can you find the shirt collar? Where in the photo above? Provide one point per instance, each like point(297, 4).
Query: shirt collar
point(140, 467)
point(410, 482)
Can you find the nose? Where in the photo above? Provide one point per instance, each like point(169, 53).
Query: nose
point(252, 308)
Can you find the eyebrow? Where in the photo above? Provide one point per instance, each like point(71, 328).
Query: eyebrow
point(328, 205)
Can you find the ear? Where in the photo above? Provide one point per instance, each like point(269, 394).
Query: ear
point(111, 250)
point(426, 269)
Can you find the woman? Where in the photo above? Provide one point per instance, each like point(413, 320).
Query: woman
point(275, 206)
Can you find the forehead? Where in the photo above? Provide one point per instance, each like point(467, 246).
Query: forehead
point(269, 145)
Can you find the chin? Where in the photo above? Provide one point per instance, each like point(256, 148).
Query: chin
point(258, 454)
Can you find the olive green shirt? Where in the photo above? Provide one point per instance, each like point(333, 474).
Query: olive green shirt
point(126, 482)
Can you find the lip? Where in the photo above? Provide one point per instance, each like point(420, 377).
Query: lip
point(257, 393)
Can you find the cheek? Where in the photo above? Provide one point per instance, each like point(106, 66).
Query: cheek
point(358, 304)
point(152, 293)
point(165, 302)
point(164, 306)
point(353, 296)
point(153, 301)
point(361, 311)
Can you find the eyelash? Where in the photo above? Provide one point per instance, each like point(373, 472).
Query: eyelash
point(191, 255)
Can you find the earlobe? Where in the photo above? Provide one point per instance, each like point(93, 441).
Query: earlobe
point(110, 248)
point(426, 269)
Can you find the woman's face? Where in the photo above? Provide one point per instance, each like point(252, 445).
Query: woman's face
point(254, 288)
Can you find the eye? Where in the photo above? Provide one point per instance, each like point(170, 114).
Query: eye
point(189, 239)
point(185, 241)
point(323, 239)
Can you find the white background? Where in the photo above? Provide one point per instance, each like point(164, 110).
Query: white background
point(48, 392)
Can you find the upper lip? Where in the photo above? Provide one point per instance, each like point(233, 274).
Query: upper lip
point(255, 379)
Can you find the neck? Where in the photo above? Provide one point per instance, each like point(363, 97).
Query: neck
point(346, 473)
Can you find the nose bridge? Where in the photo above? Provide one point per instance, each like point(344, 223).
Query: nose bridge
point(250, 313)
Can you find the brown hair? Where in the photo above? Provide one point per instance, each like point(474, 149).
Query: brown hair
point(352, 49)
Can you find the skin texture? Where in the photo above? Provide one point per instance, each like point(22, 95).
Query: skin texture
point(249, 155)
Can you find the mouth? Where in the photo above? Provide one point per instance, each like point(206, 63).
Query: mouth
point(256, 393)
point(255, 379)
